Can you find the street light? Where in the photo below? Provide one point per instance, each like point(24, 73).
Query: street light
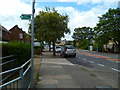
point(32, 45)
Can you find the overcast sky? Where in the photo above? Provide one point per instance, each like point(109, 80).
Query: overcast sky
point(81, 12)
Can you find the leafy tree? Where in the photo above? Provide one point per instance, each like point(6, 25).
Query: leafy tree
point(108, 27)
point(50, 26)
point(83, 33)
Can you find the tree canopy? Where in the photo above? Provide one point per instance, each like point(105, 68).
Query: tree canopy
point(108, 27)
point(83, 33)
point(51, 26)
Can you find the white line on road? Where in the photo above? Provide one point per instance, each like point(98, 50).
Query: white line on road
point(101, 65)
point(91, 61)
point(115, 69)
point(84, 59)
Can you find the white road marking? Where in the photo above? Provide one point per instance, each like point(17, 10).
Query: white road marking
point(84, 59)
point(78, 57)
point(101, 65)
point(115, 69)
point(91, 61)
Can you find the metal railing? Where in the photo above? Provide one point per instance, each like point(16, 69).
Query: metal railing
point(23, 80)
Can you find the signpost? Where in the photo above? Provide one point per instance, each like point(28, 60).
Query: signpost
point(31, 17)
point(25, 16)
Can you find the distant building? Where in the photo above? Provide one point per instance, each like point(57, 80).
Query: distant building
point(4, 34)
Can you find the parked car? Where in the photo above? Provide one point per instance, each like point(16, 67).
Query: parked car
point(68, 50)
point(58, 49)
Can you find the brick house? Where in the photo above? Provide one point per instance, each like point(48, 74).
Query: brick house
point(17, 34)
point(4, 34)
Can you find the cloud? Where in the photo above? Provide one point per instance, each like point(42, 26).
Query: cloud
point(80, 19)
point(83, 18)
point(80, 1)
point(10, 12)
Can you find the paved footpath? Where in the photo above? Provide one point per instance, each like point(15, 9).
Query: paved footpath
point(57, 72)
point(53, 75)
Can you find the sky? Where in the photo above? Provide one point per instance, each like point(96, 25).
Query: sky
point(81, 12)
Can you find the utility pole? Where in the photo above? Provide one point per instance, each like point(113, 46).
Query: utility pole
point(119, 4)
point(32, 45)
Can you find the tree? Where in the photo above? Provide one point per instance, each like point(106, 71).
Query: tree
point(83, 33)
point(84, 36)
point(108, 27)
point(51, 26)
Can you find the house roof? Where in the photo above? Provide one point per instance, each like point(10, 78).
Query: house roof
point(16, 26)
point(4, 29)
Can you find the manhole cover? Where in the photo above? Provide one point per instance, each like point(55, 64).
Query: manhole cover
point(104, 88)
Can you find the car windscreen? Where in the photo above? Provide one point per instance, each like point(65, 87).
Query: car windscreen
point(70, 47)
point(58, 46)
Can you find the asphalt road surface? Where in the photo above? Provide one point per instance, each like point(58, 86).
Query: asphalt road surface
point(107, 68)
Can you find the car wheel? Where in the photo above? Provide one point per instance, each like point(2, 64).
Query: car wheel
point(64, 55)
point(74, 55)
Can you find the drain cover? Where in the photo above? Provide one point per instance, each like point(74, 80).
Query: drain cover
point(104, 88)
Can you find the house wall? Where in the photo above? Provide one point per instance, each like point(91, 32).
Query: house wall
point(5, 36)
point(15, 34)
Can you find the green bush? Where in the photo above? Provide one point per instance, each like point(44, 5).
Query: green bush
point(20, 49)
point(84, 44)
point(38, 49)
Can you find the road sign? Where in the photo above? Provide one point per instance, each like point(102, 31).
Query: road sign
point(25, 16)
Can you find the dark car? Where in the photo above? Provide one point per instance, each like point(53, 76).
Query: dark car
point(68, 50)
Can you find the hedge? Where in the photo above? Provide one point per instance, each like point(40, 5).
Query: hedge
point(20, 49)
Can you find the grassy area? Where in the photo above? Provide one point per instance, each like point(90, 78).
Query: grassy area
point(83, 69)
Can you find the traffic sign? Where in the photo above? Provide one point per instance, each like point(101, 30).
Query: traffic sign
point(25, 16)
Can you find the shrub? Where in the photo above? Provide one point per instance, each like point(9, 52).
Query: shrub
point(38, 49)
point(83, 44)
point(20, 49)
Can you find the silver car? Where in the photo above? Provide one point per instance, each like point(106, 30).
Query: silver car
point(58, 49)
point(68, 50)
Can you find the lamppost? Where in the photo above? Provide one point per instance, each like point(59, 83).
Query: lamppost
point(119, 4)
point(28, 17)
point(32, 44)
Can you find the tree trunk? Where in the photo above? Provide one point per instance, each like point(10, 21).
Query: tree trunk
point(49, 47)
point(74, 43)
point(54, 49)
point(41, 51)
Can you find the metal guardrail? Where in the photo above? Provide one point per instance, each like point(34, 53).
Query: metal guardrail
point(24, 78)
point(7, 57)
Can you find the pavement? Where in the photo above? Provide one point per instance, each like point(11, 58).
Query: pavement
point(58, 72)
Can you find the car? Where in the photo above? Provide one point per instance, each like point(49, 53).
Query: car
point(68, 50)
point(58, 49)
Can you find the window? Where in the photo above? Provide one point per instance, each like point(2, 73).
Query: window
point(21, 35)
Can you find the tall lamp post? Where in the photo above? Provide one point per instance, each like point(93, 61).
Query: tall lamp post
point(32, 44)
point(28, 17)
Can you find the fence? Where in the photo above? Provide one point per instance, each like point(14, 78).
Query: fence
point(23, 79)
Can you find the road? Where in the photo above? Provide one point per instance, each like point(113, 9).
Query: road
point(104, 65)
